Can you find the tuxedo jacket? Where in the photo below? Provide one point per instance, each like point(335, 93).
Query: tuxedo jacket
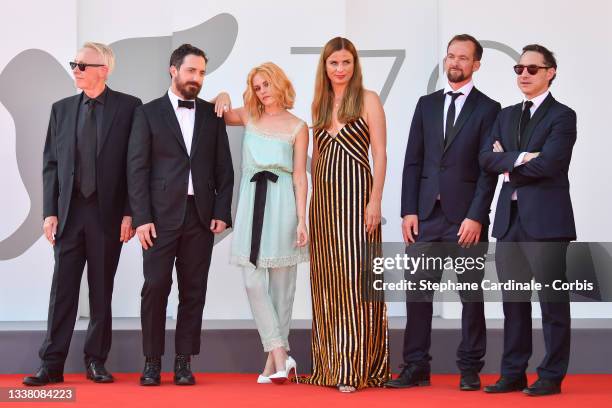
point(451, 170)
point(112, 144)
point(159, 165)
point(542, 184)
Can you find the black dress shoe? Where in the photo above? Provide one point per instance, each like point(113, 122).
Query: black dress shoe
point(543, 387)
point(469, 381)
point(507, 384)
point(44, 376)
point(97, 373)
point(182, 370)
point(151, 375)
point(411, 376)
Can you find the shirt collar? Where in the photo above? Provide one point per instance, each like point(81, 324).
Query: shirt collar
point(99, 99)
point(465, 89)
point(174, 98)
point(537, 101)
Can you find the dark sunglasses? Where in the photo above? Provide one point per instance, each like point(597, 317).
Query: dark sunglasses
point(83, 65)
point(531, 69)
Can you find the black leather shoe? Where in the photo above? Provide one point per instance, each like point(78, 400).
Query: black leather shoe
point(182, 370)
point(543, 387)
point(151, 375)
point(411, 376)
point(469, 381)
point(97, 373)
point(507, 384)
point(44, 376)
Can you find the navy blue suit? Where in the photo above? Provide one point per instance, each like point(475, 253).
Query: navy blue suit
point(533, 232)
point(542, 184)
point(449, 169)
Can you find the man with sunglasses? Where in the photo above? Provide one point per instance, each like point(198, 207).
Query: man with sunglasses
point(531, 145)
point(86, 213)
point(446, 200)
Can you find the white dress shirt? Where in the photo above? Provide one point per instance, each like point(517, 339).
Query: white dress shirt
point(459, 102)
point(537, 101)
point(186, 120)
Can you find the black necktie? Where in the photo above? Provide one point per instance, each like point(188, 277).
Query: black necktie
point(450, 115)
point(525, 117)
point(87, 151)
point(186, 104)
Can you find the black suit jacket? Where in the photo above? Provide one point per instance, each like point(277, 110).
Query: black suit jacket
point(453, 172)
point(112, 144)
point(159, 164)
point(542, 184)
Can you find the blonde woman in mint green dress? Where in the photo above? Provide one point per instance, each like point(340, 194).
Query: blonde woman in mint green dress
point(270, 235)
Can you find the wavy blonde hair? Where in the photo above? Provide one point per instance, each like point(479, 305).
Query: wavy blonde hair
point(323, 101)
point(281, 85)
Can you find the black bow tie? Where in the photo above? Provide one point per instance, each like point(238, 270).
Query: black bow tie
point(186, 104)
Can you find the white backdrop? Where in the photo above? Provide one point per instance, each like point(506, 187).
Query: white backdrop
point(579, 35)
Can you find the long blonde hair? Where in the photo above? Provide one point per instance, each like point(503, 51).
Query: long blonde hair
point(281, 85)
point(323, 101)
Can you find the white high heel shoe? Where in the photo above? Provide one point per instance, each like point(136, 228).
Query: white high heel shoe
point(280, 377)
point(262, 379)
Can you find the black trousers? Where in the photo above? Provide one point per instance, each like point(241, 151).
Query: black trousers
point(434, 230)
point(82, 241)
point(190, 249)
point(519, 257)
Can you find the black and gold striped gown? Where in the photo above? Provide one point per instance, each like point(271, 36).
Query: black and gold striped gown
point(349, 333)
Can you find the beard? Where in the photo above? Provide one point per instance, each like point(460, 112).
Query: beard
point(455, 76)
point(188, 90)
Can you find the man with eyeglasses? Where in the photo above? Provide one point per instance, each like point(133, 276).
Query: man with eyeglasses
point(531, 145)
point(86, 212)
point(446, 200)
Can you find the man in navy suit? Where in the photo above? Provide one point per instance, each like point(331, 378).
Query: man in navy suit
point(446, 198)
point(531, 144)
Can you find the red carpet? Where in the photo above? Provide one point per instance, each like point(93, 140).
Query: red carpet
point(240, 390)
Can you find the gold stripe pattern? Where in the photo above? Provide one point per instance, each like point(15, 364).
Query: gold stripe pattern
point(349, 333)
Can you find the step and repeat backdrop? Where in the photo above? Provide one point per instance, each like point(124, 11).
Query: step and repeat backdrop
point(401, 44)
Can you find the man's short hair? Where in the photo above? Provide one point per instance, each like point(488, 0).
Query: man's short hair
point(549, 57)
point(105, 52)
point(178, 55)
point(478, 50)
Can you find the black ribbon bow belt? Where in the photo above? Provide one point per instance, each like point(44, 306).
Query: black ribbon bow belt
point(261, 189)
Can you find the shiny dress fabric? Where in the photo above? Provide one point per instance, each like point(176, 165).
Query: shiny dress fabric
point(349, 328)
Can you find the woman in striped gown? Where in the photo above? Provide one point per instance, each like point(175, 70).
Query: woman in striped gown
point(349, 329)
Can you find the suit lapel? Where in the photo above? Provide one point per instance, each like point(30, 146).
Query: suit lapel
point(515, 118)
point(71, 123)
point(439, 117)
point(539, 114)
point(110, 109)
point(197, 126)
point(172, 121)
point(466, 111)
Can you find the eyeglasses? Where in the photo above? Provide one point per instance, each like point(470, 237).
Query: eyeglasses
point(531, 69)
point(83, 65)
